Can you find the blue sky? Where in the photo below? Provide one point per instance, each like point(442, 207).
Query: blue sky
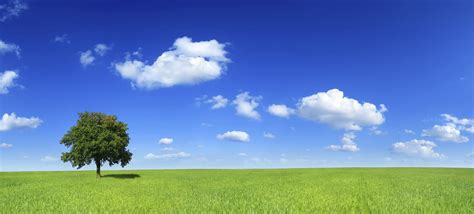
point(301, 84)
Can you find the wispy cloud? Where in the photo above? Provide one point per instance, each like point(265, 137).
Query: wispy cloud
point(48, 158)
point(62, 39)
point(89, 56)
point(5, 146)
point(167, 156)
point(11, 9)
point(9, 48)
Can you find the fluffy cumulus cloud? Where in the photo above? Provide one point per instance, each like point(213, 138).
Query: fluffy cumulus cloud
point(11, 9)
point(7, 80)
point(11, 121)
point(217, 102)
point(169, 156)
point(186, 63)
point(449, 132)
point(5, 146)
point(280, 110)
point(238, 136)
point(347, 144)
point(245, 105)
point(416, 148)
point(9, 48)
point(166, 141)
point(333, 108)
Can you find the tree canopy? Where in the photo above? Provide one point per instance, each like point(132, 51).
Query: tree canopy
point(97, 138)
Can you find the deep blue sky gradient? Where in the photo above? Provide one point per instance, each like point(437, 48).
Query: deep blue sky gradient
point(416, 57)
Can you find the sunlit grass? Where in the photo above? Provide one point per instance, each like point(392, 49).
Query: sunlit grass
point(355, 190)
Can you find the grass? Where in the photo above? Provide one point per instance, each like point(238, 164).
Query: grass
point(351, 190)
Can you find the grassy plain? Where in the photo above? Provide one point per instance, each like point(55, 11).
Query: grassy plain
point(336, 190)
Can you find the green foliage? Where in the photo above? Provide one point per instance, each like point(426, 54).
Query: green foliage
point(355, 190)
point(97, 138)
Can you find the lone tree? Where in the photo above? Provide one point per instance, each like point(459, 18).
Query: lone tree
point(97, 138)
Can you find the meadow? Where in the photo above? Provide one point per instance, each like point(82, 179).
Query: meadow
point(334, 190)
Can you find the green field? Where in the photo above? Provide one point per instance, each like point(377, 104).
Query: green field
point(353, 190)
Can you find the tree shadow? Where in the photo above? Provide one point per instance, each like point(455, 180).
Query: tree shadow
point(121, 176)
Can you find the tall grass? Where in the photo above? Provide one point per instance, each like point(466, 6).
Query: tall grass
point(354, 190)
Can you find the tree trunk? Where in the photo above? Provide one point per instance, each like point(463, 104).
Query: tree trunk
point(97, 164)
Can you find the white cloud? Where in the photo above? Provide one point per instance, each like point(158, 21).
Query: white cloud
point(245, 105)
point(283, 160)
point(137, 53)
point(5, 146)
point(448, 132)
point(455, 120)
point(280, 110)
point(218, 102)
point(464, 124)
point(333, 108)
point(242, 154)
point(49, 159)
point(268, 135)
point(408, 131)
point(234, 136)
point(9, 48)
point(11, 121)
point(11, 9)
point(86, 58)
point(62, 39)
point(167, 156)
point(417, 148)
point(7, 80)
point(186, 63)
point(166, 141)
point(347, 142)
point(101, 49)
